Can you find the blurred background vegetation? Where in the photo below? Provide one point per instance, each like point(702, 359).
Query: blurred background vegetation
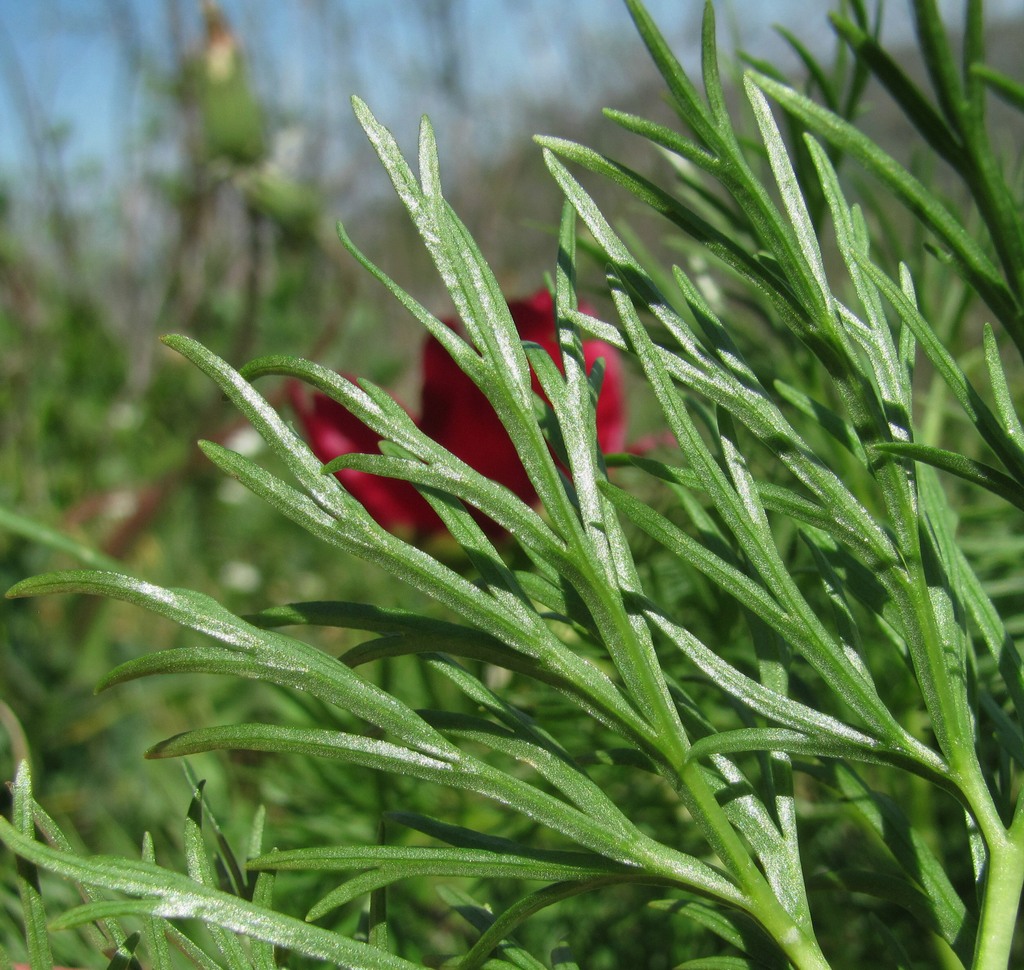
point(210, 211)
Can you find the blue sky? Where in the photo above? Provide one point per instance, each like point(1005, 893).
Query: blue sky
point(69, 59)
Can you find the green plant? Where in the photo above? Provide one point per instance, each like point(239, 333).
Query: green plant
point(846, 721)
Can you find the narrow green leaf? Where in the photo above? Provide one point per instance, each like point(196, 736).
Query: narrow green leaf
point(172, 896)
point(496, 501)
point(889, 404)
point(835, 587)
point(46, 535)
point(741, 399)
point(183, 944)
point(602, 545)
point(993, 433)
point(591, 685)
point(838, 428)
point(938, 57)
point(977, 268)
point(359, 616)
point(124, 957)
point(713, 90)
point(515, 720)
point(505, 378)
point(560, 598)
point(467, 773)
point(199, 612)
point(37, 937)
point(955, 722)
point(507, 860)
point(1005, 406)
point(564, 775)
point(1011, 91)
point(686, 99)
point(976, 472)
point(880, 885)
point(197, 957)
point(263, 896)
point(449, 863)
point(798, 743)
point(893, 829)
point(793, 200)
point(200, 868)
point(714, 240)
point(916, 106)
point(371, 405)
point(157, 928)
point(509, 953)
point(283, 441)
point(763, 815)
point(737, 929)
point(586, 690)
point(812, 66)
point(101, 935)
point(1006, 729)
point(753, 597)
point(460, 351)
point(526, 907)
point(336, 518)
point(993, 631)
point(562, 958)
point(757, 697)
point(722, 573)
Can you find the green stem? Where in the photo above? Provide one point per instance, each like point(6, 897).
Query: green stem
point(636, 661)
point(1000, 902)
point(796, 942)
point(638, 665)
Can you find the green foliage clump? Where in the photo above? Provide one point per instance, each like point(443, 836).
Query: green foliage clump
point(754, 694)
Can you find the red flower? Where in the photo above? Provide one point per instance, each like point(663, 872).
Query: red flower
point(454, 413)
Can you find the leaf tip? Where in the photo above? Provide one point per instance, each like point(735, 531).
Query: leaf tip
point(157, 751)
point(174, 340)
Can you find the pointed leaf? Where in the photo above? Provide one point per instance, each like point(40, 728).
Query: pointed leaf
point(203, 614)
point(173, 896)
point(976, 472)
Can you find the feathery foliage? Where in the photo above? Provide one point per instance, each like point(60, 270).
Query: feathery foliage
point(762, 679)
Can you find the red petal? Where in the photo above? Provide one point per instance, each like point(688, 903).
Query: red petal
point(611, 406)
point(456, 414)
point(535, 320)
